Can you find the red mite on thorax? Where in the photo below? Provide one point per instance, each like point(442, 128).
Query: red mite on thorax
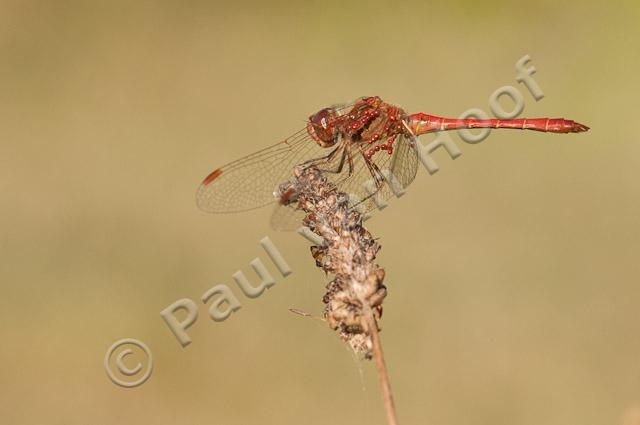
point(353, 138)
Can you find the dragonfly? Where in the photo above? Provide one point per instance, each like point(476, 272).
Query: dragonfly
point(368, 149)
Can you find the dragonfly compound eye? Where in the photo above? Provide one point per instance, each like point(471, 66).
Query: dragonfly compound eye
point(322, 127)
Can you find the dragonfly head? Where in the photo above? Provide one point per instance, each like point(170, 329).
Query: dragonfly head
point(322, 127)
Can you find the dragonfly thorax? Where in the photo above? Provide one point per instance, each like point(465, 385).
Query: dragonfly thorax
point(375, 125)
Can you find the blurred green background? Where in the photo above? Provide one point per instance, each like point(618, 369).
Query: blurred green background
point(512, 273)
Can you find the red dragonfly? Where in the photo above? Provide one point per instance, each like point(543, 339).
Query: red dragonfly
point(358, 146)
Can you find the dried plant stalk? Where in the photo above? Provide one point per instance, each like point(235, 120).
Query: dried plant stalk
point(353, 300)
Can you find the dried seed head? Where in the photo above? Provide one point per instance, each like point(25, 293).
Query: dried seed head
point(348, 254)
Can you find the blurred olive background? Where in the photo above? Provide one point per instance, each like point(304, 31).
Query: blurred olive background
point(512, 273)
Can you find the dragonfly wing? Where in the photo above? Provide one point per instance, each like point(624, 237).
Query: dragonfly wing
point(404, 162)
point(286, 218)
point(249, 182)
point(395, 172)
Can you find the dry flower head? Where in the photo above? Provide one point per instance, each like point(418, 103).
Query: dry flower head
point(347, 254)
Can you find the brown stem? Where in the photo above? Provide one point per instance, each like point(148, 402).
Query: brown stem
point(378, 357)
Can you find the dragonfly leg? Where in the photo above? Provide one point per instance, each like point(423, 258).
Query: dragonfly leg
point(327, 159)
point(338, 169)
point(378, 177)
point(314, 161)
point(378, 180)
point(349, 161)
point(346, 154)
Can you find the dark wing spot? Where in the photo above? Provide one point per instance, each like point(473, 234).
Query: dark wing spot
point(211, 177)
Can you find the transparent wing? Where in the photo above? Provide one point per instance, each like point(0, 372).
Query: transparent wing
point(286, 218)
point(385, 176)
point(404, 162)
point(249, 182)
point(351, 173)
